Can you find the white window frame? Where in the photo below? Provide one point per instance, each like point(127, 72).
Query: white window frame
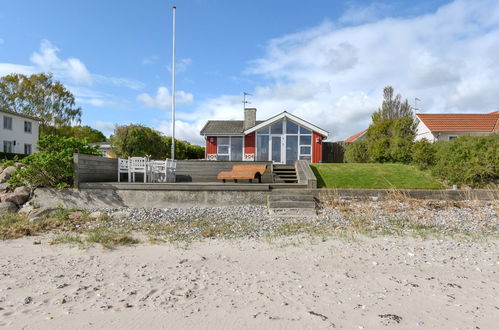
point(5, 122)
point(229, 145)
point(30, 127)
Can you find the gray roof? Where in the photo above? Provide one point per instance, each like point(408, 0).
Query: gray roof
point(20, 114)
point(225, 127)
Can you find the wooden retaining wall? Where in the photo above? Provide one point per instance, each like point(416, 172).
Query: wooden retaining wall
point(88, 168)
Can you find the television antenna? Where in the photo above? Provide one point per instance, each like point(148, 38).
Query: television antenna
point(244, 99)
point(416, 109)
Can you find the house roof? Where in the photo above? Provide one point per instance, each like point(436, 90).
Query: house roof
point(356, 136)
point(293, 118)
point(483, 122)
point(224, 127)
point(19, 114)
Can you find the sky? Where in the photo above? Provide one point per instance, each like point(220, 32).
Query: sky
point(324, 61)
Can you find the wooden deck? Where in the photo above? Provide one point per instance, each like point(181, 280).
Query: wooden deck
point(190, 186)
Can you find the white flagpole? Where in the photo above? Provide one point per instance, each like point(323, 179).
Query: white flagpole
point(173, 86)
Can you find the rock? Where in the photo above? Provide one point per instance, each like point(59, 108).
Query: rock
point(16, 198)
point(75, 215)
point(36, 219)
point(120, 215)
point(41, 211)
point(28, 300)
point(8, 207)
point(37, 242)
point(22, 190)
point(7, 173)
point(95, 215)
point(4, 187)
point(27, 208)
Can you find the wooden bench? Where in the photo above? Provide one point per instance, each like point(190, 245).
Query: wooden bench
point(249, 172)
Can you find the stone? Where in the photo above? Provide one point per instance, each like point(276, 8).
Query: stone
point(41, 211)
point(7, 207)
point(16, 198)
point(75, 215)
point(4, 187)
point(22, 190)
point(36, 219)
point(95, 215)
point(120, 215)
point(7, 173)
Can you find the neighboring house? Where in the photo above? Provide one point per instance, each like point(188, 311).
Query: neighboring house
point(356, 137)
point(105, 149)
point(282, 139)
point(18, 132)
point(445, 127)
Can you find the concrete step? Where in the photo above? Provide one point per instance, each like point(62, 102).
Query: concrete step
point(275, 197)
point(286, 181)
point(293, 213)
point(292, 204)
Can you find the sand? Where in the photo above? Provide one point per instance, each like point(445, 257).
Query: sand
point(365, 283)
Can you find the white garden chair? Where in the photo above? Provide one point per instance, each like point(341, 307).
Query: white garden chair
point(138, 165)
point(158, 170)
point(123, 167)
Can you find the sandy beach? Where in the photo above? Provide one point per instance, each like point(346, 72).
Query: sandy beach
point(289, 283)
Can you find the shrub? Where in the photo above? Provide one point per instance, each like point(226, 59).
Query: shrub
point(356, 152)
point(52, 165)
point(468, 160)
point(423, 154)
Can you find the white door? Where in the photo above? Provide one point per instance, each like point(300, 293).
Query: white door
point(277, 149)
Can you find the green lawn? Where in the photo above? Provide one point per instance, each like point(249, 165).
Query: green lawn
point(376, 176)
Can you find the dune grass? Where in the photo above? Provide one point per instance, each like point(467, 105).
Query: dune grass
point(373, 176)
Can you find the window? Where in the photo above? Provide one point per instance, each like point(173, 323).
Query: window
point(7, 122)
point(291, 128)
point(452, 137)
point(223, 148)
point(303, 130)
point(262, 147)
point(230, 148)
point(8, 146)
point(27, 149)
point(27, 126)
point(236, 148)
point(276, 128)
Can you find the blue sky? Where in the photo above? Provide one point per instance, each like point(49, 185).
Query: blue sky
point(325, 61)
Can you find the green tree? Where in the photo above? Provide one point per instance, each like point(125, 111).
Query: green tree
point(39, 95)
point(356, 152)
point(138, 141)
point(84, 133)
point(183, 149)
point(392, 132)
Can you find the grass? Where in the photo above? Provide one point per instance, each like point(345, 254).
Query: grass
point(373, 176)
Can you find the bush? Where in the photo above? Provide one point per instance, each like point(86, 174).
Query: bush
point(52, 165)
point(468, 160)
point(423, 154)
point(356, 152)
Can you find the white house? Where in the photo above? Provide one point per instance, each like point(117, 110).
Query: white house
point(18, 133)
point(448, 126)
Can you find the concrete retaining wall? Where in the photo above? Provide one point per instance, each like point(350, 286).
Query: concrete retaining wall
point(305, 174)
point(87, 168)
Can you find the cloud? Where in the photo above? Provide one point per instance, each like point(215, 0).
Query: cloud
point(9, 68)
point(106, 127)
point(181, 65)
point(183, 130)
point(150, 60)
point(333, 75)
point(357, 14)
point(46, 59)
point(163, 98)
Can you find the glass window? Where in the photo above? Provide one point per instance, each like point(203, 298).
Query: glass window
point(8, 146)
point(452, 137)
point(305, 140)
point(7, 122)
point(304, 150)
point(27, 127)
point(236, 148)
point(27, 149)
point(223, 150)
point(263, 130)
point(262, 147)
point(291, 149)
point(303, 130)
point(306, 158)
point(291, 128)
point(276, 128)
point(223, 157)
point(224, 141)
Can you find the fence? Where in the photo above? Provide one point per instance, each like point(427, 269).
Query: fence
point(333, 152)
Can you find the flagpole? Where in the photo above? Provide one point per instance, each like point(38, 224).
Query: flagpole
point(174, 8)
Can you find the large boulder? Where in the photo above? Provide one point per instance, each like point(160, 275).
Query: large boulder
point(7, 173)
point(18, 198)
point(24, 190)
point(4, 187)
point(7, 207)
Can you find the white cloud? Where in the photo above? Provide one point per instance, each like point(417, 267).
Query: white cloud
point(333, 75)
point(183, 130)
point(163, 98)
point(181, 65)
point(9, 68)
point(47, 60)
point(106, 127)
point(357, 14)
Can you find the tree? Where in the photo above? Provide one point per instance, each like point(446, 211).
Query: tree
point(84, 133)
point(392, 132)
point(138, 141)
point(40, 96)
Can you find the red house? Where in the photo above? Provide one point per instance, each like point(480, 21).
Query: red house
point(282, 139)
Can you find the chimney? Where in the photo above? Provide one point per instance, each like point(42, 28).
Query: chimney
point(249, 117)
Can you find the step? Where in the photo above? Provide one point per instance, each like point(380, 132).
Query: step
point(279, 167)
point(287, 176)
point(281, 204)
point(293, 213)
point(287, 197)
point(285, 181)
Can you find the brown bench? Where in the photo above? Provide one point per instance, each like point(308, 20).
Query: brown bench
point(249, 172)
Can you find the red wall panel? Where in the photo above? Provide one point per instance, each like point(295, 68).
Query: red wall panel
point(249, 143)
point(316, 148)
point(211, 145)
